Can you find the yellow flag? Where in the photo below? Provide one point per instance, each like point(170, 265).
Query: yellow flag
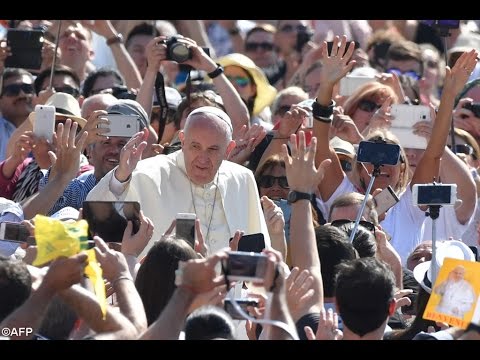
point(94, 273)
point(55, 238)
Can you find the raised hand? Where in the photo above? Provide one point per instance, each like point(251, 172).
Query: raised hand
point(246, 141)
point(134, 244)
point(336, 65)
point(302, 175)
point(95, 133)
point(131, 154)
point(273, 216)
point(65, 272)
point(300, 294)
point(327, 327)
point(292, 121)
point(456, 78)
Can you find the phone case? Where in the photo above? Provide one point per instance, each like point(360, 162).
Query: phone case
point(44, 124)
point(385, 200)
point(122, 125)
point(405, 117)
point(26, 47)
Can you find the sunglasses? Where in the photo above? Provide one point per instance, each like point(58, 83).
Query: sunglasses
point(14, 89)
point(241, 81)
point(410, 73)
point(282, 110)
point(267, 181)
point(68, 90)
point(289, 28)
point(368, 105)
point(346, 165)
point(366, 224)
point(265, 46)
point(462, 149)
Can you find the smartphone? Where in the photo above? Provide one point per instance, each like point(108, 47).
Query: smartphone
point(350, 83)
point(44, 124)
point(404, 118)
point(108, 219)
point(378, 153)
point(185, 227)
point(121, 125)
point(243, 303)
point(245, 266)
point(26, 47)
point(330, 46)
point(16, 232)
point(434, 194)
point(385, 200)
point(252, 243)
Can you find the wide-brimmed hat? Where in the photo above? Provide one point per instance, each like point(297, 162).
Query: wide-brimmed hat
point(66, 106)
point(448, 249)
point(265, 92)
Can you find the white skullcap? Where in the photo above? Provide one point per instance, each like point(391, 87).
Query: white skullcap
point(214, 111)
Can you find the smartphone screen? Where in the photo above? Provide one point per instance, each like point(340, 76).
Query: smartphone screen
point(246, 266)
point(252, 243)
point(108, 219)
point(14, 232)
point(378, 153)
point(185, 227)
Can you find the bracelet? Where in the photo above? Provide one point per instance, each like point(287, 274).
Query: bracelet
point(320, 111)
point(218, 71)
point(117, 39)
point(121, 278)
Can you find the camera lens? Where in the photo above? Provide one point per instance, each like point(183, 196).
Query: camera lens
point(179, 52)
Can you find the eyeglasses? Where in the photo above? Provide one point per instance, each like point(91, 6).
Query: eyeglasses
point(267, 181)
point(368, 105)
point(241, 81)
point(253, 46)
point(366, 224)
point(411, 73)
point(282, 110)
point(68, 90)
point(289, 28)
point(462, 149)
point(14, 89)
point(346, 165)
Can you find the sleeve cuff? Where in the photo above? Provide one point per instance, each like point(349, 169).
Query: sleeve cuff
point(117, 187)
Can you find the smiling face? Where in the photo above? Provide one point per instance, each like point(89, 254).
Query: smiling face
point(105, 155)
point(75, 46)
point(273, 183)
point(205, 145)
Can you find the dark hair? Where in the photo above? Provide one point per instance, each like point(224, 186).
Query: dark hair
point(142, 29)
point(405, 50)
point(94, 75)
point(59, 320)
point(155, 280)
point(58, 70)
point(333, 248)
point(363, 241)
point(15, 285)
point(209, 322)
point(12, 73)
point(364, 290)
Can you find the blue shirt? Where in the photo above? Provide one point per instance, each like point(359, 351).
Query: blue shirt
point(6, 131)
point(75, 193)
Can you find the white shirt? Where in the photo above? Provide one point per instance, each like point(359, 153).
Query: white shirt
point(457, 297)
point(446, 225)
point(404, 221)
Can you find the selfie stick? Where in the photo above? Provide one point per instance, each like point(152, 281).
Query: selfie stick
point(55, 54)
point(434, 212)
point(375, 173)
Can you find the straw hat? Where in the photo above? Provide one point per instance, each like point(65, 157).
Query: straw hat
point(265, 92)
point(66, 106)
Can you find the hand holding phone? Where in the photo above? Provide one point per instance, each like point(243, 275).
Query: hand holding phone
point(244, 266)
point(121, 125)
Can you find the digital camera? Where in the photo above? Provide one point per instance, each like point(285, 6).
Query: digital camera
point(177, 51)
point(434, 194)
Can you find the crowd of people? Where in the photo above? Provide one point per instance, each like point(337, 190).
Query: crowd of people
point(253, 128)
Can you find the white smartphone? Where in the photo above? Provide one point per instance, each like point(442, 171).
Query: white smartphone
point(405, 117)
point(16, 232)
point(185, 227)
point(44, 124)
point(349, 84)
point(121, 125)
point(385, 200)
point(434, 194)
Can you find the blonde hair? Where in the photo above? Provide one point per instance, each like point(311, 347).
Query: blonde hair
point(373, 90)
point(384, 135)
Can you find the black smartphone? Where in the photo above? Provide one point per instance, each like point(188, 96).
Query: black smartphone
point(251, 243)
point(378, 153)
point(108, 219)
point(16, 232)
point(26, 47)
point(330, 46)
point(243, 303)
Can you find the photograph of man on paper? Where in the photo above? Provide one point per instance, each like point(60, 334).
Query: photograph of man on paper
point(455, 293)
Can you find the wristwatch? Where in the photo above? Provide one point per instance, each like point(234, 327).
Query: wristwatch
point(294, 196)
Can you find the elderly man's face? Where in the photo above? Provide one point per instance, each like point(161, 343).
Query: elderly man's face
point(205, 146)
point(422, 253)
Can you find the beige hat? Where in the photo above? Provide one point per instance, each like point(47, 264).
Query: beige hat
point(265, 92)
point(342, 147)
point(66, 106)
